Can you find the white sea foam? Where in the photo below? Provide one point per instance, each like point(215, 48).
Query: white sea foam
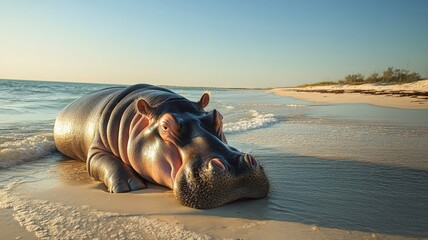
point(295, 105)
point(53, 220)
point(27, 149)
point(257, 120)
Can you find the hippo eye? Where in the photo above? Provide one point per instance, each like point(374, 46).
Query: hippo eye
point(164, 126)
point(169, 124)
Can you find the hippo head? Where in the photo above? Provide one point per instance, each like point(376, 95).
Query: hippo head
point(186, 150)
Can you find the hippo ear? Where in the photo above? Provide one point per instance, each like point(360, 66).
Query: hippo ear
point(144, 108)
point(205, 99)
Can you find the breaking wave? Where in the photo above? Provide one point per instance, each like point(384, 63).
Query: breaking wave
point(257, 120)
point(27, 149)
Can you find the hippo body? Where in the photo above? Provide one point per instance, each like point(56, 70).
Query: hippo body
point(128, 135)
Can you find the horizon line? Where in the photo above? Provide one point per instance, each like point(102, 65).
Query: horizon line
point(127, 84)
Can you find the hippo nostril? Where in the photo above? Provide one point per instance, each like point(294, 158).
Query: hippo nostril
point(216, 162)
point(250, 160)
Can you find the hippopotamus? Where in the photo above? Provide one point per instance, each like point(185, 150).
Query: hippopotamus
point(129, 136)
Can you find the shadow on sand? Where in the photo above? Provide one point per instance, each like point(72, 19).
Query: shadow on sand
point(347, 195)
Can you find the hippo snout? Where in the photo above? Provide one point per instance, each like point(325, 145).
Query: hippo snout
point(246, 159)
point(221, 181)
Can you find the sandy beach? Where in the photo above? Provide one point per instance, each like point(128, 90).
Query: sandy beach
point(407, 96)
point(74, 206)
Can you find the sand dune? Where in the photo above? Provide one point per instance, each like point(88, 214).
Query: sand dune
point(409, 96)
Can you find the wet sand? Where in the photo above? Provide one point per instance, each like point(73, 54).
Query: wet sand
point(64, 203)
point(406, 96)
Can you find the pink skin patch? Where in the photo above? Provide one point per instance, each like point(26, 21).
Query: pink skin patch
point(168, 129)
point(175, 160)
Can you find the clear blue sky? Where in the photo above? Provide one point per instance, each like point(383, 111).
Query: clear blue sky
point(210, 43)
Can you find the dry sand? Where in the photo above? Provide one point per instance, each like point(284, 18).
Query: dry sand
point(407, 96)
point(64, 203)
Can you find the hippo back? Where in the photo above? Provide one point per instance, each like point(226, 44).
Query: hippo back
point(101, 112)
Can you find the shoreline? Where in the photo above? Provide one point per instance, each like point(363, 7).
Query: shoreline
point(75, 206)
point(404, 96)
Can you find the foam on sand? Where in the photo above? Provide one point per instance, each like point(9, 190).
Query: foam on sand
point(257, 120)
point(52, 220)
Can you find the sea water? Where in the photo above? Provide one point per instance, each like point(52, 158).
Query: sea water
point(345, 166)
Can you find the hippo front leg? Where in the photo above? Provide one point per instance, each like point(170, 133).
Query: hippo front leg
point(116, 175)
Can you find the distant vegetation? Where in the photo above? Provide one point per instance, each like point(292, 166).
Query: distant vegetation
point(389, 76)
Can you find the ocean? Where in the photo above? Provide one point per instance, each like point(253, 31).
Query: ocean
point(353, 167)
